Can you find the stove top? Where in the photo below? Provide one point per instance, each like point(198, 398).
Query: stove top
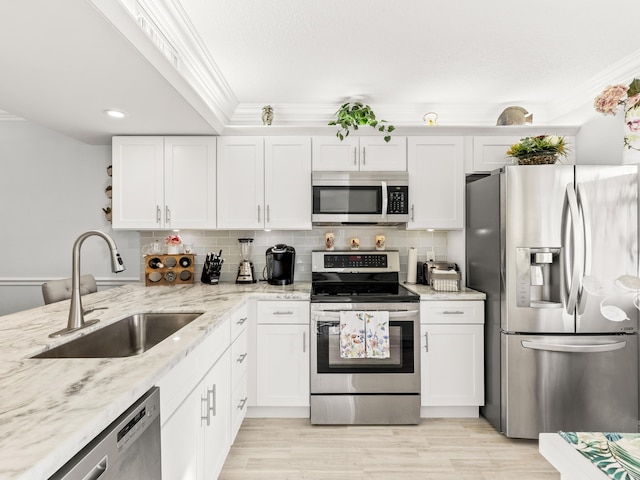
point(356, 292)
point(368, 276)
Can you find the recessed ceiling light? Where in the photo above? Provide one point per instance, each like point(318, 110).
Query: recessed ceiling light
point(115, 113)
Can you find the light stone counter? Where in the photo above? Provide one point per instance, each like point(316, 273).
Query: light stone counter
point(50, 408)
point(428, 293)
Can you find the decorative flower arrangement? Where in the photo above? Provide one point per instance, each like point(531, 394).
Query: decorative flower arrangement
point(542, 149)
point(173, 240)
point(628, 97)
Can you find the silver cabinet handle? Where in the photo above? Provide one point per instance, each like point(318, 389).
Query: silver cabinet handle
point(364, 157)
point(167, 215)
point(258, 213)
point(241, 320)
point(268, 219)
point(355, 154)
point(304, 342)
point(204, 413)
point(456, 312)
point(241, 358)
point(283, 312)
point(412, 213)
point(158, 214)
point(426, 341)
point(242, 403)
point(212, 405)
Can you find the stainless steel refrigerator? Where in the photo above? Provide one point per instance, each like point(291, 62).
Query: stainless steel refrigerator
point(555, 249)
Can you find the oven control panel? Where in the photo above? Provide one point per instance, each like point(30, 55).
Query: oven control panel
point(368, 260)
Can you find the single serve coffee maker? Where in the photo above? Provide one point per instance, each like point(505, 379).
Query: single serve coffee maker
point(281, 261)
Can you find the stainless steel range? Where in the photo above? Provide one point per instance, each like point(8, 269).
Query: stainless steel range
point(370, 373)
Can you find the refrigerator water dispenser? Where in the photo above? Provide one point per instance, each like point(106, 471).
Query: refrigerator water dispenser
point(538, 276)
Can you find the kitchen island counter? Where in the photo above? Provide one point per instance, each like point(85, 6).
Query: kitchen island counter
point(50, 408)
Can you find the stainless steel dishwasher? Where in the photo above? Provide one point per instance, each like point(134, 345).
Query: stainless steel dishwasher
point(128, 449)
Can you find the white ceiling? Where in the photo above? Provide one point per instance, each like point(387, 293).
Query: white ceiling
point(66, 61)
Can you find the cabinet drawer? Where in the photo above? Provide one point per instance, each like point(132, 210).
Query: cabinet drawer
point(239, 358)
point(239, 320)
point(452, 312)
point(283, 312)
point(239, 399)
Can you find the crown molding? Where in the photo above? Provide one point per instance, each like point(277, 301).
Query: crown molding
point(582, 95)
point(9, 117)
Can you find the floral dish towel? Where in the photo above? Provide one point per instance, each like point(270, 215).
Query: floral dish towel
point(352, 343)
point(377, 325)
point(615, 454)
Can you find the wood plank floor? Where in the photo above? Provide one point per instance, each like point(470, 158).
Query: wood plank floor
point(292, 449)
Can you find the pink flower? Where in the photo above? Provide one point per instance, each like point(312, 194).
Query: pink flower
point(612, 96)
point(634, 125)
point(173, 240)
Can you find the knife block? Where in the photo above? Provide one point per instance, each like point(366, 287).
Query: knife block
point(169, 269)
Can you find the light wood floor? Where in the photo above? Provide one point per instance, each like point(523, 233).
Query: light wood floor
point(292, 449)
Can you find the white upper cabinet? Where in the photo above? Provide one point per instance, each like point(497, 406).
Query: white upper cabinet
point(359, 154)
point(490, 152)
point(264, 183)
point(164, 182)
point(240, 182)
point(436, 182)
point(287, 186)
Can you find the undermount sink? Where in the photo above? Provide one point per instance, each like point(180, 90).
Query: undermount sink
point(130, 336)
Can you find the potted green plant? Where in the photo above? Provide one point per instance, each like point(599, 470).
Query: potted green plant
point(355, 114)
point(538, 150)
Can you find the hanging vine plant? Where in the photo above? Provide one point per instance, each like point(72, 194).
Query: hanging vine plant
point(352, 115)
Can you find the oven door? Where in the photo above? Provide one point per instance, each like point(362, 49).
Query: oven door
point(400, 373)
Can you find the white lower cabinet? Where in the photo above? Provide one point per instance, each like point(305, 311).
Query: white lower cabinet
point(452, 357)
point(282, 358)
point(195, 410)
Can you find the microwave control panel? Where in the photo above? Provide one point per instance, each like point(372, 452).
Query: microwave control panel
point(398, 200)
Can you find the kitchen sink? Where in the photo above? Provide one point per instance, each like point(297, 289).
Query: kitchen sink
point(130, 336)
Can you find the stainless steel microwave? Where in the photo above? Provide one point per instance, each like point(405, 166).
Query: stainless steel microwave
point(360, 197)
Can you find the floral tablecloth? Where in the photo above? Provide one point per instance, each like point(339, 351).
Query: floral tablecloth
point(616, 454)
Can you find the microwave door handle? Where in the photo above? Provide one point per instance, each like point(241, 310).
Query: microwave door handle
point(385, 200)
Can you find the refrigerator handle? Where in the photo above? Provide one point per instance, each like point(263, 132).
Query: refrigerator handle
point(569, 348)
point(586, 222)
point(572, 270)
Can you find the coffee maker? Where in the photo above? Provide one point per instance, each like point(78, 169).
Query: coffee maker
point(245, 269)
point(281, 260)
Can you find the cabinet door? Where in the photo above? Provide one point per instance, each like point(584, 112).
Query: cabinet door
point(490, 153)
point(378, 155)
point(287, 186)
point(180, 436)
point(436, 182)
point(333, 154)
point(216, 431)
point(283, 365)
point(452, 358)
point(240, 182)
point(138, 182)
point(190, 182)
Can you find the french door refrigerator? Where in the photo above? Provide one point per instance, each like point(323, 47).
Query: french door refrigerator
point(555, 249)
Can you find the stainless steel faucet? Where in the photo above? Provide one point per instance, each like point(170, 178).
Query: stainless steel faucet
point(76, 314)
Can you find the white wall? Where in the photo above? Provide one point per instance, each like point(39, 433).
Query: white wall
point(600, 141)
point(52, 190)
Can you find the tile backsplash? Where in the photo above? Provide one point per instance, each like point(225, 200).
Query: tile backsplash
point(430, 246)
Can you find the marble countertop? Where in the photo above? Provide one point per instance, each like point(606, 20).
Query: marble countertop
point(49, 408)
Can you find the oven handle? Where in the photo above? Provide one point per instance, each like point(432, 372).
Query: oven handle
point(392, 313)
